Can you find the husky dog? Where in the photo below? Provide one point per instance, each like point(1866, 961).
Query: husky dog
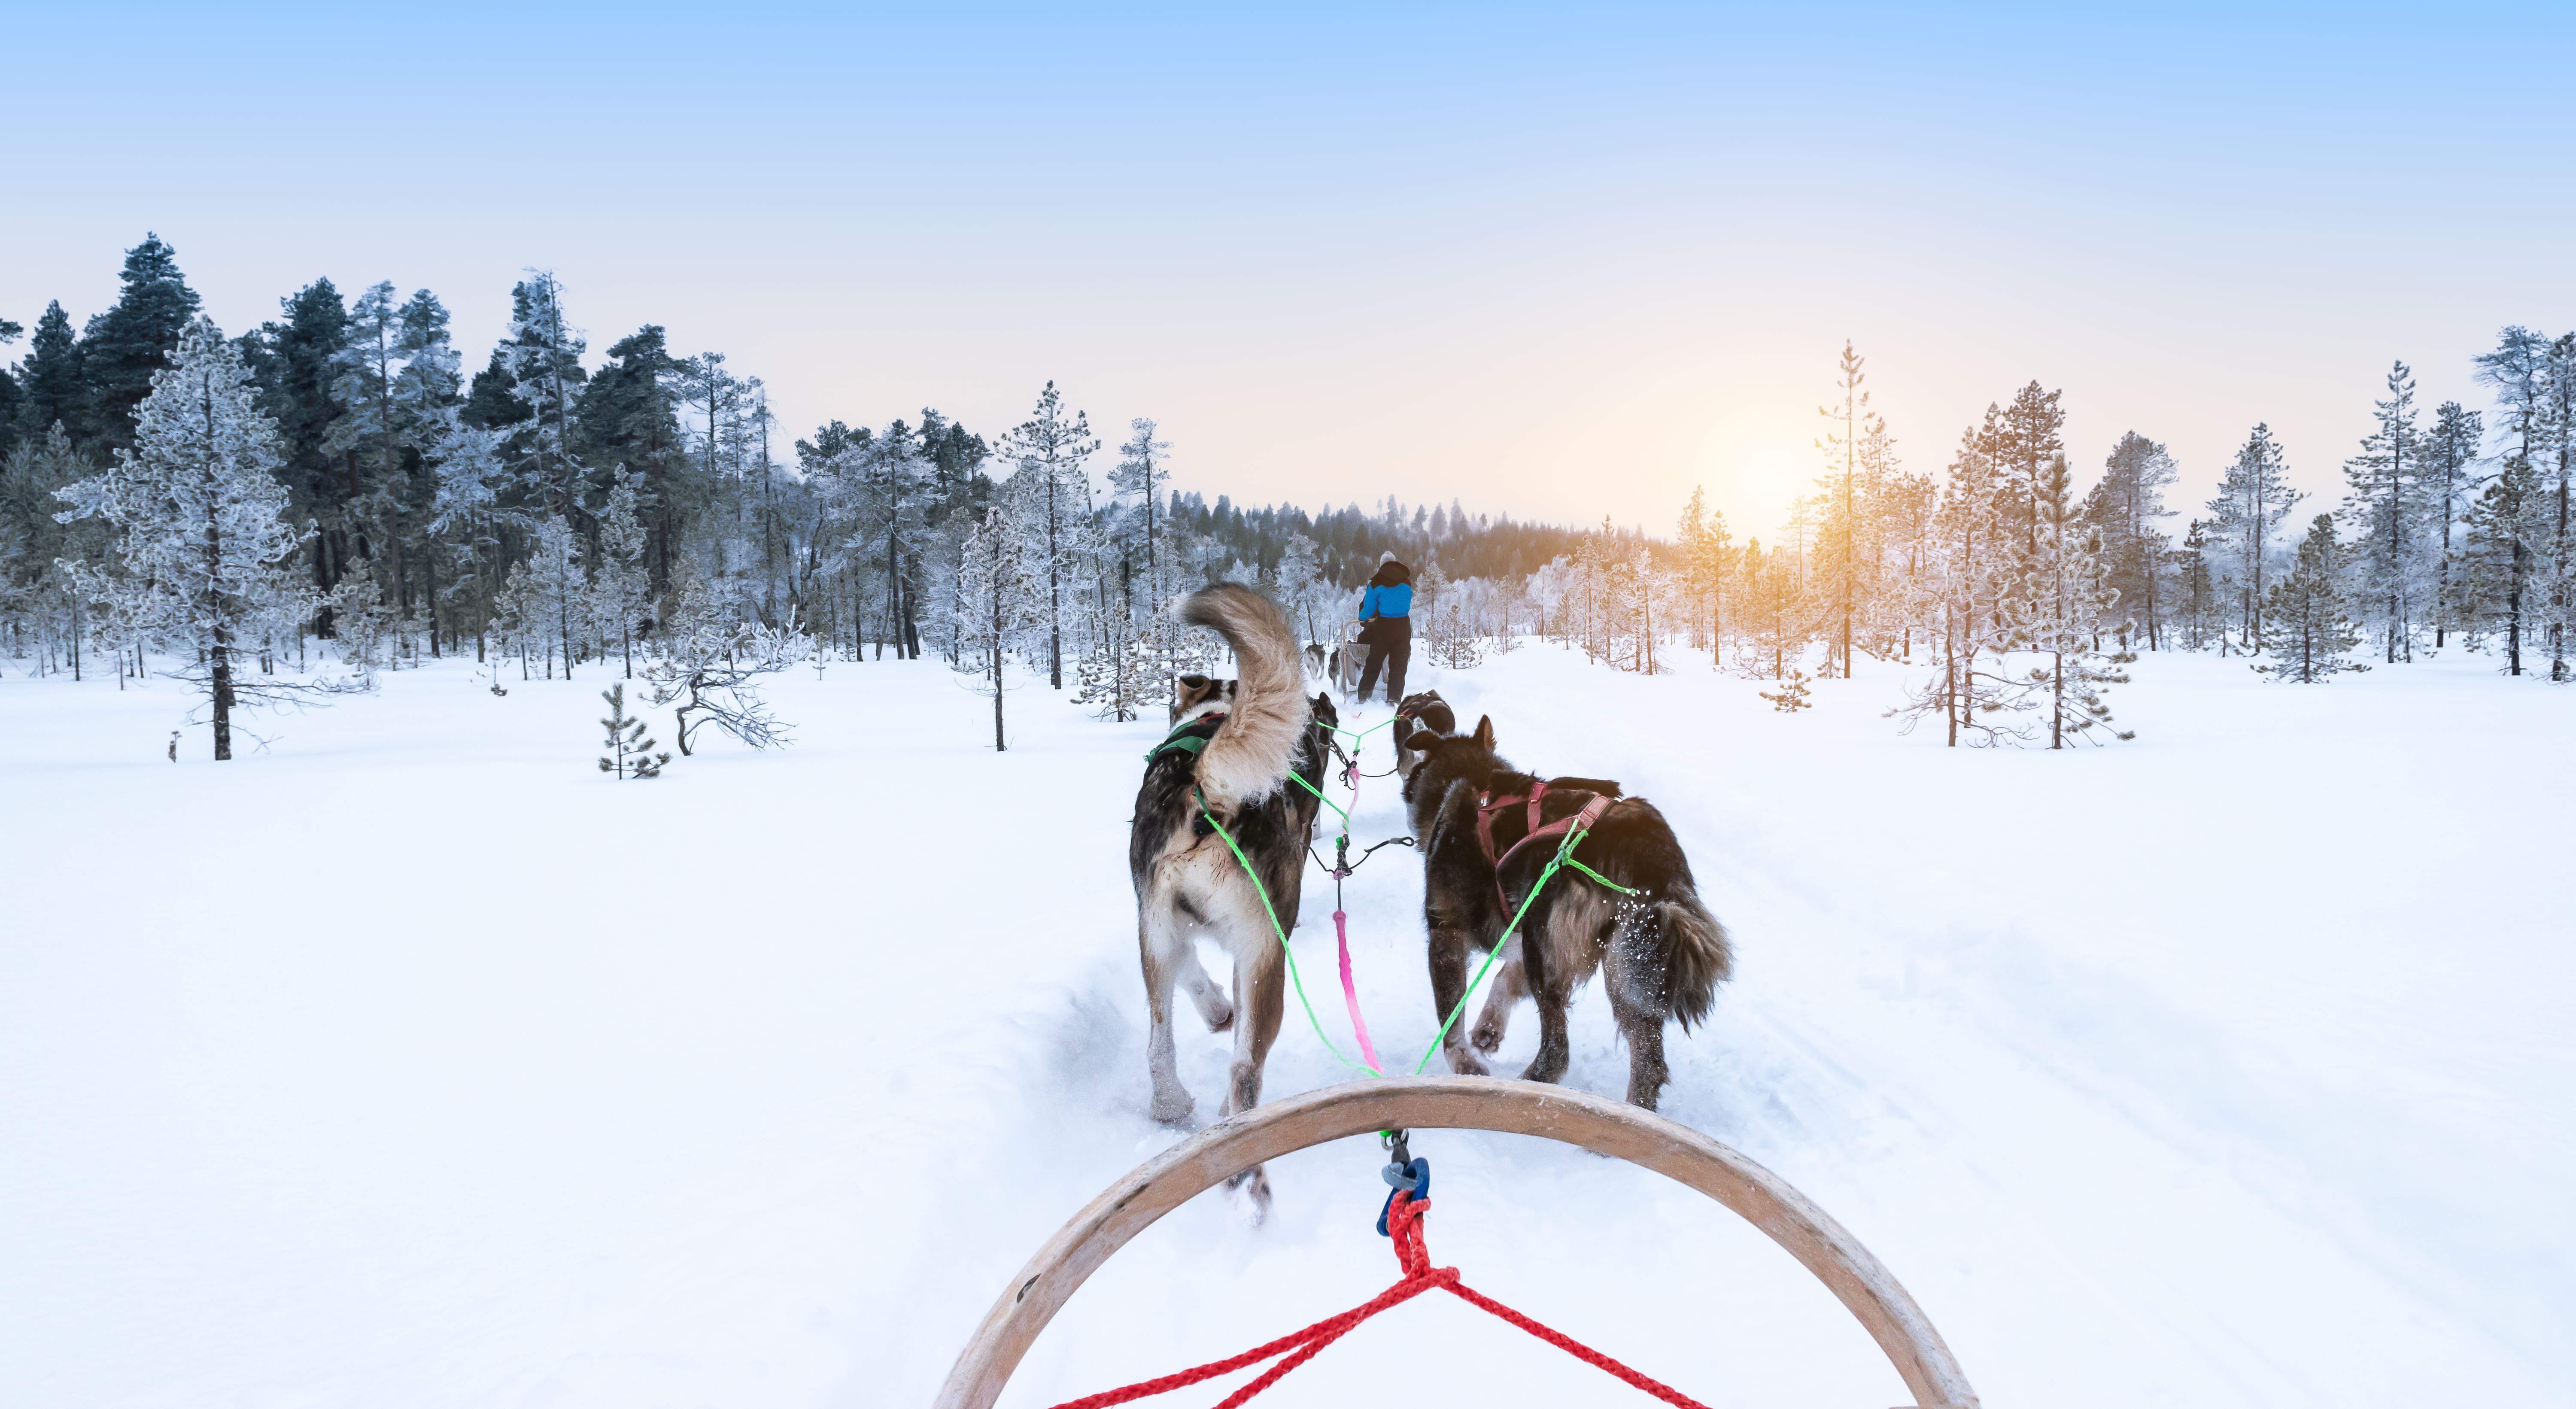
point(1428, 711)
point(1233, 743)
point(1664, 954)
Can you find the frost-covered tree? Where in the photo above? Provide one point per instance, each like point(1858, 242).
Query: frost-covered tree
point(202, 539)
point(2124, 506)
point(548, 594)
point(2450, 453)
point(2252, 501)
point(2066, 596)
point(998, 597)
point(2309, 615)
point(2384, 503)
point(1049, 448)
point(1144, 474)
point(621, 590)
point(542, 356)
point(713, 659)
point(2500, 562)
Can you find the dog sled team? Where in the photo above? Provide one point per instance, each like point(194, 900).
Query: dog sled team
point(1486, 832)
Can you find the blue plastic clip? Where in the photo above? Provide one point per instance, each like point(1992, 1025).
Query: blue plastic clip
point(1413, 1178)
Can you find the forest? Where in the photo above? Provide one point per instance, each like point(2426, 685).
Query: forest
point(285, 512)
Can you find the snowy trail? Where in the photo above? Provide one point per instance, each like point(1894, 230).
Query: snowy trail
point(411, 1064)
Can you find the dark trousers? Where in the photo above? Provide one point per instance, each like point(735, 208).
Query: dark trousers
point(1391, 648)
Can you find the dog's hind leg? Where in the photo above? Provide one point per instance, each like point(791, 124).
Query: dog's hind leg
point(1449, 991)
point(1164, 949)
point(1511, 985)
point(1261, 989)
point(1261, 997)
point(1634, 976)
point(1550, 981)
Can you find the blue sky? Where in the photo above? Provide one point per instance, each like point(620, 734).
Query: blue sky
point(1566, 262)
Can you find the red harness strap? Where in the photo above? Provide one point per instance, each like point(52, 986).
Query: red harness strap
point(1488, 805)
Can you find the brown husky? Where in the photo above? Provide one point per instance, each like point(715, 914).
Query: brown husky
point(1662, 953)
point(1233, 742)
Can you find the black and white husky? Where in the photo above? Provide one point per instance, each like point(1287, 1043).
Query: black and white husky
point(1233, 742)
point(1661, 953)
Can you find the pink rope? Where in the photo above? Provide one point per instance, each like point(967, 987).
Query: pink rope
point(1351, 994)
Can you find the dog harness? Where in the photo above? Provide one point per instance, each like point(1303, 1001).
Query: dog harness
point(1190, 736)
point(1489, 806)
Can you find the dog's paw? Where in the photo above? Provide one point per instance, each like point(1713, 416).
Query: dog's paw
point(1488, 1035)
point(1254, 1185)
point(1219, 1015)
point(1465, 1063)
point(1173, 1107)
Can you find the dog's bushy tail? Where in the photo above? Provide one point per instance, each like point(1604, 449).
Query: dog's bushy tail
point(1696, 954)
point(1248, 759)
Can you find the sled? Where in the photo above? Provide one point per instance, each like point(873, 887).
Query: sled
point(1352, 657)
point(1603, 1126)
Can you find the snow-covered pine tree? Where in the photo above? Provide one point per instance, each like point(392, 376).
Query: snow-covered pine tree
point(1143, 474)
point(2450, 454)
point(2308, 614)
point(2558, 423)
point(202, 536)
point(620, 595)
point(2252, 501)
point(2499, 561)
point(1050, 448)
point(360, 621)
point(372, 432)
point(2066, 596)
point(1303, 593)
point(2124, 505)
point(630, 754)
point(549, 592)
point(2384, 504)
point(997, 600)
point(543, 357)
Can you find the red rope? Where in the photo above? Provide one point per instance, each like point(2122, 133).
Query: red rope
point(1404, 1228)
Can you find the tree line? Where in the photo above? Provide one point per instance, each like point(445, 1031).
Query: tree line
point(556, 510)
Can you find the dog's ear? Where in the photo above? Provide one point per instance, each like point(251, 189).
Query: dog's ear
point(1193, 689)
point(1484, 735)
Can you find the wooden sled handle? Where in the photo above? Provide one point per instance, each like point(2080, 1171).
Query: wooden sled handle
point(1602, 1126)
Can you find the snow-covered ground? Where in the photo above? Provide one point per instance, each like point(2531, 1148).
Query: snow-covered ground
point(412, 1062)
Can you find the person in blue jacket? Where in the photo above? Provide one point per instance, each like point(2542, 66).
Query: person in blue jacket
point(1386, 616)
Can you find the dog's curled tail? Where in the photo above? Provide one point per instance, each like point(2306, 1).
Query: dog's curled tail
point(1696, 954)
point(1249, 757)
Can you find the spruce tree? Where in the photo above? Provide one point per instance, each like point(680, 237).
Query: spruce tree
point(50, 392)
point(291, 358)
point(2308, 615)
point(122, 348)
point(10, 396)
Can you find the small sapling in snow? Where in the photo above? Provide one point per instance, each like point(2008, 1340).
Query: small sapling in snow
point(1792, 694)
point(629, 753)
